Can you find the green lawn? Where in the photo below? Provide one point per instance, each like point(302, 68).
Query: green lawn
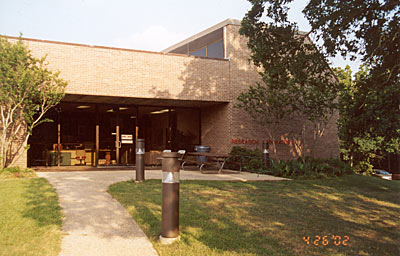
point(15, 172)
point(271, 218)
point(30, 218)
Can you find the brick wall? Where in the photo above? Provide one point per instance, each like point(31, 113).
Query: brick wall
point(21, 158)
point(216, 128)
point(243, 74)
point(129, 73)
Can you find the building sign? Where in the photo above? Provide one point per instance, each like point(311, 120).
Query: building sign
point(252, 141)
point(126, 138)
point(243, 141)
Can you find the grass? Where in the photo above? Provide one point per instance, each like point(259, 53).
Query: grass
point(271, 218)
point(30, 218)
point(15, 172)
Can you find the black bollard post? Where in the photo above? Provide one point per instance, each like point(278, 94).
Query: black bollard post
point(170, 198)
point(266, 155)
point(140, 160)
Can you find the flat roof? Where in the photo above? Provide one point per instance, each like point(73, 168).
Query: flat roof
point(106, 47)
point(203, 33)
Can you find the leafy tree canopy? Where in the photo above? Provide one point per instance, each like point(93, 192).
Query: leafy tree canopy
point(366, 28)
point(296, 77)
point(369, 126)
point(27, 91)
point(369, 123)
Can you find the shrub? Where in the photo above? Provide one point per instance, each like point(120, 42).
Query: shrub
point(249, 159)
point(310, 167)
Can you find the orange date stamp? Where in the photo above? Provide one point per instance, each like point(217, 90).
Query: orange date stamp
point(326, 240)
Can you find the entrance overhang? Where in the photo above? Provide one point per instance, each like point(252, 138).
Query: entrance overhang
point(92, 99)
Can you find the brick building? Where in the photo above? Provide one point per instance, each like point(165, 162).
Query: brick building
point(174, 99)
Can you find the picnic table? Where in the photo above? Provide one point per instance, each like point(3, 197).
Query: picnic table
point(212, 159)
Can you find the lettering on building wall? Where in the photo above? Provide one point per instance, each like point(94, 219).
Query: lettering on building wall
point(252, 141)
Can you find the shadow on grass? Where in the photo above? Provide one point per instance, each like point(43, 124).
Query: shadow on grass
point(361, 208)
point(271, 218)
point(226, 234)
point(43, 205)
point(200, 226)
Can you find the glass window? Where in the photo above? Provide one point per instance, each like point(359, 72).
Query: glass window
point(201, 52)
point(187, 128)
point(154, 127)
point(216, 50)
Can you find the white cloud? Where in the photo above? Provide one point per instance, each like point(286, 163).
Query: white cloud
point(153, 38)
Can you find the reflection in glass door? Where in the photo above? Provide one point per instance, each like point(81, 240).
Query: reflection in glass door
point(127, 123)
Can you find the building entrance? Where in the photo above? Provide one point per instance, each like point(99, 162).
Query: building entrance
point(100, 134)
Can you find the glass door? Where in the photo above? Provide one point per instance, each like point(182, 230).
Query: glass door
point(117, 135)
point(127, 131)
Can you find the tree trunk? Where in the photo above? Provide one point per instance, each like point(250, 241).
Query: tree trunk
point(3, 151)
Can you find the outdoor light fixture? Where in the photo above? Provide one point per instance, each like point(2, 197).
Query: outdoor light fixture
point(83, 107)
point(170, 197)
point(110, 110)
point(123, 108)
point(140, 150)
point(266, 159)
point(133, 117)
point(159, 111)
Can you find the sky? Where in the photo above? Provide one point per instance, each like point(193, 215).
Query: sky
point(142, 25)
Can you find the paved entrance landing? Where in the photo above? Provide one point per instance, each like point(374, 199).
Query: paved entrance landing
point(96, 224)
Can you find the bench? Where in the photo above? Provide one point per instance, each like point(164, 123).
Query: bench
point(217, 160)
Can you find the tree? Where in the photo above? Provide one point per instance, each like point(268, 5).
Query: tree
point(297, 80)
point(370, 108)
point(365, 29)
point(27, 91)
point(369, 128)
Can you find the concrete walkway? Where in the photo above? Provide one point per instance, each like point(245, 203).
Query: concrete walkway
point(96, 224)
